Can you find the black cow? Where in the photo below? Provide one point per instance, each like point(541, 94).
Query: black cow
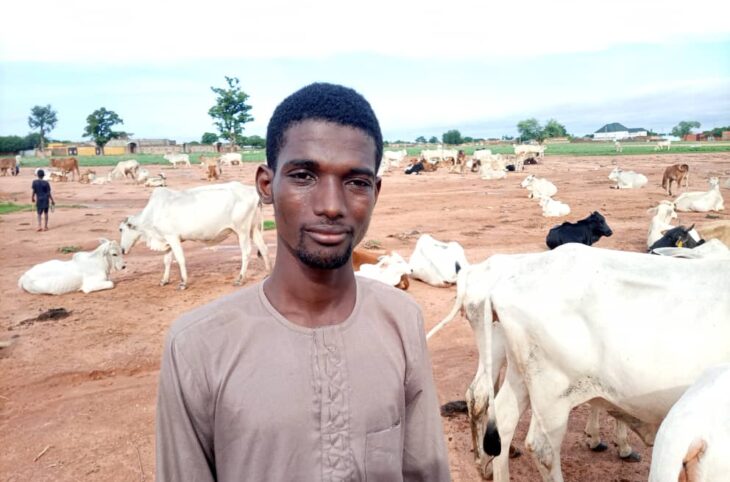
point(678, 237)
point(586, 231)
point(415, 168)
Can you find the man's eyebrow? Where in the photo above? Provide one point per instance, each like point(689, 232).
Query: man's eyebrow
point(362, 170)
point(301, 164)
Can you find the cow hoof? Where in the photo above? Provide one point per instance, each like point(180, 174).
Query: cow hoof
point(238, 282)
point(632, 457)
point(601, 447)
point(163, 282)
point(182, 286)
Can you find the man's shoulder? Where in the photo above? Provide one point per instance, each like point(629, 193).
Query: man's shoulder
point(216, 316)
point(387, 296)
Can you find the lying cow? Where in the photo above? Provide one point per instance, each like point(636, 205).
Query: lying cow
point(538, 187)
point(627, 179)
point(156, 181)
point(716, 230)
point(599, 328)
point(702, 202)
point(678, 237)
point(86, 271)
point(87, 176)
point(552, 208)
point(473, 286)
point(710, 249)
point(693, 441)
point(390, 269)
point(206, 213)
point(435, 262)
point(586, 231)
point(362, 257)
point(661, 222)
point(675, 173)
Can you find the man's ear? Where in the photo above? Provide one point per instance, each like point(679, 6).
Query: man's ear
point(264, 183)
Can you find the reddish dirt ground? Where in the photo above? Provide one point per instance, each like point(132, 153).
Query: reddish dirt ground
point(77, 395)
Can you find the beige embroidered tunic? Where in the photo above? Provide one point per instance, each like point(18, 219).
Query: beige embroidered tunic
point(246, 395)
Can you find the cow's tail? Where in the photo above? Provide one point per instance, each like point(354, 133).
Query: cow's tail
point(492, 443)
point(458, 303)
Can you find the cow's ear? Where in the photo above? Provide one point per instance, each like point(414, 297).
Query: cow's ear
point(103, 240)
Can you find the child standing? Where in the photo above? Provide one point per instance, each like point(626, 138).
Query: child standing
point(41, 196)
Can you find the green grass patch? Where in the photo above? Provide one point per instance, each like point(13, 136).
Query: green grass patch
point(69, 249)
point(8, 207)
point(269, 225)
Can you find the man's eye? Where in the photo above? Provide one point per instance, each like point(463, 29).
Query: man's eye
point(361, 183)
point(302, 176)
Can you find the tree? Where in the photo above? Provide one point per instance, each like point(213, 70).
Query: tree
point(209, 138)
point(684, 128)
point(420, 140)
point(452, 137)
point(44, 119)
point(554, 128)
point(717, 131)
point(99, 127)
point(433, 140)
point(468, 139)
point(256, 141)
point(529, 129)
point(230, 111)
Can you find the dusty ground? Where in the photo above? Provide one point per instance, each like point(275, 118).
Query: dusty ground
point(77, 395)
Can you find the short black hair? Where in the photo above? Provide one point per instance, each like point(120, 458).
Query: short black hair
point(325, 102)
point(41, 173)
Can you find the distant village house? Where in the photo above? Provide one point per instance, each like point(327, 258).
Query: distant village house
point(617, 132)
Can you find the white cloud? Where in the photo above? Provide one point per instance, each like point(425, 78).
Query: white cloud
point(144, 30)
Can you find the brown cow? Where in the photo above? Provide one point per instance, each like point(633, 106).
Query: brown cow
point(361, 256)
point(675, 172)
point(212, 173)
point(67, 164)
point(88, 176)
point(8, 163)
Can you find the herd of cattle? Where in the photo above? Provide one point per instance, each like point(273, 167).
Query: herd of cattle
point(631, 333)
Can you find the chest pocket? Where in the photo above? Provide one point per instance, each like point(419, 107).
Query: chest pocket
point(384, 455)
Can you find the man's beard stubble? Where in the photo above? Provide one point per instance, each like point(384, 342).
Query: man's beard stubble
point(318, 260)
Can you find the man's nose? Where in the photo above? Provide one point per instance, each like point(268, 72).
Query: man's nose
point(329, 199)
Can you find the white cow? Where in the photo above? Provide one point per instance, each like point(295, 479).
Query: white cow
point(531, 151)
point(693, 441)
point(439, 154)
point(156, 181)
point(124, 170)
point(207, 213)
point(86, 271)
point(231, 158)
point(552, 208)
point(661, 222)
point(538, 187)
point(435, 262)
point(492, 168)
point(482, 155)
point(389, 269)
point(606, 326)
point(702, 201)
point(662, 144)
point(627, 179)
point(394, 158)
point(176, 159)
point(617, 146)
point(473, 286)
point(142, 175)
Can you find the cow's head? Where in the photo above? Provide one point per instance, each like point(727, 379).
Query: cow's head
point(528, 180)
point(113, 253)
point(129, 234)
point(599, 226)
point(682, 237)
point(615, 174)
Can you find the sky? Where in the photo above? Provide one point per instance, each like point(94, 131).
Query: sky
point(426, 67)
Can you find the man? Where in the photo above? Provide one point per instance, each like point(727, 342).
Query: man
point(41, 196)
point(313, 374)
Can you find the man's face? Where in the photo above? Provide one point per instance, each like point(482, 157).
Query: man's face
point(324, 191)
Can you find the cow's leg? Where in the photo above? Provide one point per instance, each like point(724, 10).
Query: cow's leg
point(95, 284)
point(592, 431)
point(258, 240)
point(545, 435)
point(510, 403)
point(177, 251)
point(622, 440)
point(245, 243)
point(167, 260)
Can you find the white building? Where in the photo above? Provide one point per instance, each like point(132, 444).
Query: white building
point(616, 131)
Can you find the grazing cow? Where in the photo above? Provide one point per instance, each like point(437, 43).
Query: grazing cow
point(617, 146)
point(231, 158)
point(86, 271)
point(361, 257)
point(207, 213)
point(473, 286)
point(437, 263)
point(390, 269)
point(675, 173)
point(662, 144)
point(8, 164)
point(710, 249)
point(176, 159)
point(678, 237)
point(702, 202)
point(66, 164)
point(586, 231)
point(552, 208)
point(693, 441)
point(125, 169)
point(627, 179)
point(538, 187)
point(661, 222)
point(600, 328)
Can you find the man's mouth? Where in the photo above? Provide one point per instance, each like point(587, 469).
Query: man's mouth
point(328, 234)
